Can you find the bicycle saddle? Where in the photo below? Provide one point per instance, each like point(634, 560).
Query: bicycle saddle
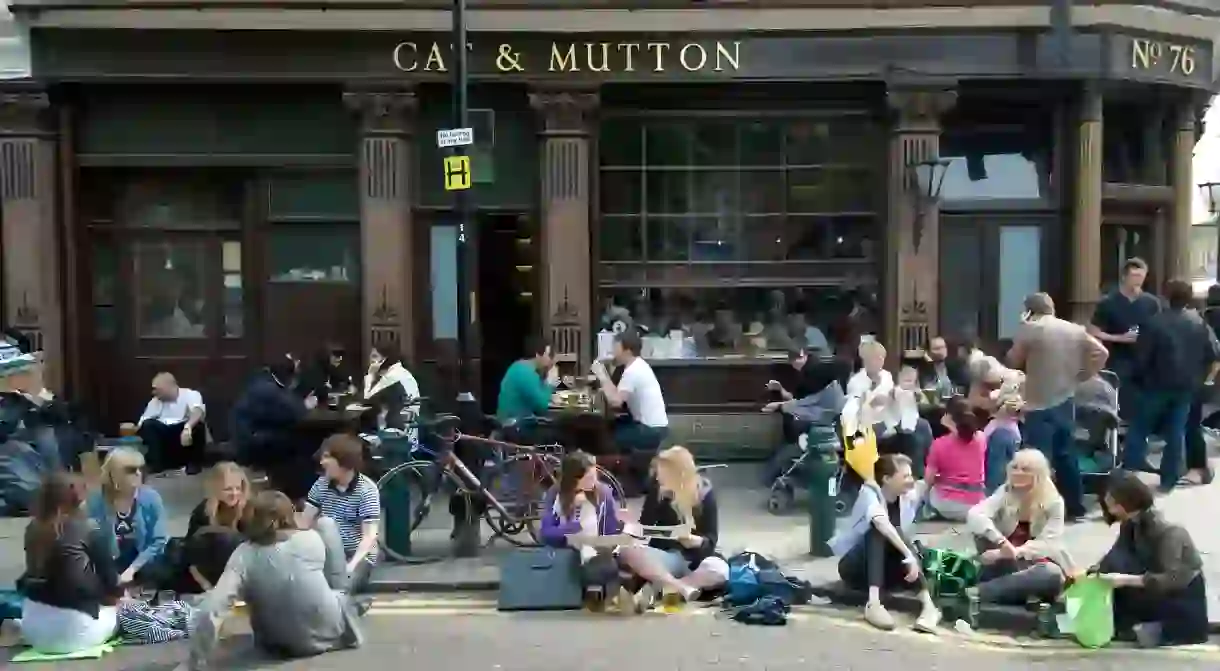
point(443, 423)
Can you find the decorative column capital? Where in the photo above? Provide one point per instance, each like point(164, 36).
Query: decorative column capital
point(384, 110)
point(565, 111)
point(24, 110)
point(920, 108)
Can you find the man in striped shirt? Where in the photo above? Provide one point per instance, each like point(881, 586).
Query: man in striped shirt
point(351, 499)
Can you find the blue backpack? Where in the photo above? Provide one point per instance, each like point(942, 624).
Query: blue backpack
point(753, 576)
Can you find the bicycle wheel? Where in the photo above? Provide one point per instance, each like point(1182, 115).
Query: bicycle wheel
point(414, 481)
point(607, 478)
point(518, 484)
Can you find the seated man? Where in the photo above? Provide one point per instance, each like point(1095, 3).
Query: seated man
point(351, 499)
point(1160, 595)
point(639, 435)
point(818, 401)
point(172, 426)
point(525, 390)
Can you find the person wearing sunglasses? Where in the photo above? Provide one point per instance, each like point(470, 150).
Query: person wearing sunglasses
point(131, 515)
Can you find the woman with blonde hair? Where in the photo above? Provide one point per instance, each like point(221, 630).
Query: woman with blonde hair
point(1019, 530)
point(677, 496)
point(214, 529)
point(131, 516)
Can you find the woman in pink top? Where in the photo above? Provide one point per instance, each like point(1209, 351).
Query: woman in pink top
point(956, 468)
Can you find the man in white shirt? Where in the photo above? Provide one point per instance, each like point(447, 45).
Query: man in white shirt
point(640, 435)
point(172, 426)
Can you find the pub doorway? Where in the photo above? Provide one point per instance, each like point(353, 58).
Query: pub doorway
point(506, 297)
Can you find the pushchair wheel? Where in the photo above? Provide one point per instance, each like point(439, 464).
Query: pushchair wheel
point(781, 499)
point(840, 506)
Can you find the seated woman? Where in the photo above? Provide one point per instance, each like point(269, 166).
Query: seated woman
point(676, 496)
point(71, 584)
point(326, 375)
point(132, 518)
point(1002, 435)
point(581, 507)
point(389, 389)
point(293, 581)
point(955, 470)
point(214, 529)
point(1019, 532)
point(873, 544)
point(1160, 595)
point(266, 428)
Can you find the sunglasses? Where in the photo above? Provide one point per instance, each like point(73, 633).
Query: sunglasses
point(133, 470)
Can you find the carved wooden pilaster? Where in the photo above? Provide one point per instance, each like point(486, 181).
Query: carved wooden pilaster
point(1181, 178)
point(912, 227)
point(565, 119)
point(1086, 226)
point(31, 283)
point(387, 118)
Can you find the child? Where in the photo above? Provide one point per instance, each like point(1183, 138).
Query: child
point(906, 432)
point(955, 470)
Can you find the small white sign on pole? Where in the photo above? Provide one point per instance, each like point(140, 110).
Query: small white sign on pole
point(455, 137)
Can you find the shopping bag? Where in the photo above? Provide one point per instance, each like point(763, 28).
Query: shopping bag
point(1089, 612)
point(949, 573)
point(860, 452)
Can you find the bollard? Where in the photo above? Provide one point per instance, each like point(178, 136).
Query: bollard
point(396, 498)
point(822, 468)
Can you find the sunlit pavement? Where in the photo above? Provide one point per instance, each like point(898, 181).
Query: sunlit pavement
point(467, 634)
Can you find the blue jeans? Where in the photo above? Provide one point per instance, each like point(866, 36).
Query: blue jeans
point(1167, 410)
point(1052, 430)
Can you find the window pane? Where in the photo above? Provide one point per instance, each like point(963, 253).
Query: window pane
point(961, 278)
point(714, 238)
point(669, 192)
point(231, 256)
point(831, 191)
point(180, 203)
point(761, 143)
point(715, 143)
point(668, 143)
point(621, 191)
point(1203, 253)
point(853, 237)
point(170, 282)
point(621, 142)
point(621, 238)
point(847, 141)
point(668, 238)
point(105, 274)
point(1020, 273)
point(234, 313)
point(785, 238)
point(715, 193)
point(994, 165)
point(762, 191)
point(312, 253)
point(716, 322)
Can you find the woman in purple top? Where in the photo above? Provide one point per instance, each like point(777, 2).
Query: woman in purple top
point(580, 506)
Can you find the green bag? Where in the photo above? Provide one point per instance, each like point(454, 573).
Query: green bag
point(949, 573)
point(1090, 612)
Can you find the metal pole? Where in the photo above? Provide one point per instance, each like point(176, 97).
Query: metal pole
point(461, 203)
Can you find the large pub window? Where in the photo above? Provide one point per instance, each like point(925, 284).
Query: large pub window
point(737, 235)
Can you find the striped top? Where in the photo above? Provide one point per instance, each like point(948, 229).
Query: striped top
point(350, 508)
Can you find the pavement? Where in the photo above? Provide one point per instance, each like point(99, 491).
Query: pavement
point(433, 635)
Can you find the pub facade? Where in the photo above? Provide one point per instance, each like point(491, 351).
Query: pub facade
point(203, 189)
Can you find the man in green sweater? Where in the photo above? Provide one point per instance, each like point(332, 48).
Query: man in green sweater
point(525, 391)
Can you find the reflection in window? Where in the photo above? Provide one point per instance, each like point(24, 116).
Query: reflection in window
point(234, 312)
point(314, 253)
point(728, 189)
point(1204, 249)
point(681, 323)
point(994, 165)
point(170, 283)
point(105, 281)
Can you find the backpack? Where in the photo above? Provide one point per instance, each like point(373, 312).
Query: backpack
point(753, 576)
point(767, 610)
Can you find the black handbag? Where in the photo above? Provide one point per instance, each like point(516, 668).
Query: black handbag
point(541, 579)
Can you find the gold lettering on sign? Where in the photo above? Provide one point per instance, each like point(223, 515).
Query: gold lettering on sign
point(406, 56)
point(563, 61)
point(1149, 54)
point(435, 62)
point(733, 59)
point(594, 66)
point(694, 62)
point(658, 48)
point(629, 50)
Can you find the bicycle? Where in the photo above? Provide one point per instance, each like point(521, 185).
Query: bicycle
point(516, 477)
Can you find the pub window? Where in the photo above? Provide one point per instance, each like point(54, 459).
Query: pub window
point(786, 206)
point(1204, 250)
point(315, 232)
point(996, 164)
point(483, 152)
point(1125, 135)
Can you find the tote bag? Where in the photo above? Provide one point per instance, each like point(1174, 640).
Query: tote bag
point(1090, 612)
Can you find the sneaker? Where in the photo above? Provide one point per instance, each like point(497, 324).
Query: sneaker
point(644, 598)
point(876, 615)
point(928, 620)
point(353, 635)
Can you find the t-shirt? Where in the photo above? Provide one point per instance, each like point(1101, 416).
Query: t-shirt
point(960, 467)
point(643, 393)
point(175, 411)
point(523, 392)
point(350, 508)
point(1116, 314)
point(125, 534)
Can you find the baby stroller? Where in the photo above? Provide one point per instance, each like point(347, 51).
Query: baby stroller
point(1097, 428)
point(817, 440)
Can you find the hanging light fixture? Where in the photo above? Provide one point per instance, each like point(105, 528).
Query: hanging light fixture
point(1211, 194)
